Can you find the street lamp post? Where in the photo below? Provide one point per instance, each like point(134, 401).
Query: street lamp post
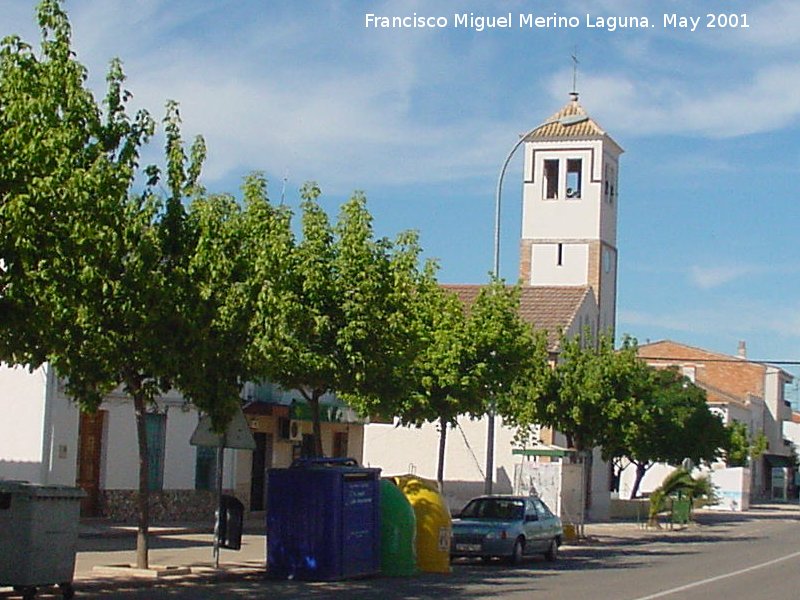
point(496, 275)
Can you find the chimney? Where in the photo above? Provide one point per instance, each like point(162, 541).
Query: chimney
point(742, 351)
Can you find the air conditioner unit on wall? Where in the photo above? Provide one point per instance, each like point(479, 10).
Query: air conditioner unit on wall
point(295, 431)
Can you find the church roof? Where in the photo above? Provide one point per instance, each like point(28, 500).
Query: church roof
point(552, 309)
point(571, 122)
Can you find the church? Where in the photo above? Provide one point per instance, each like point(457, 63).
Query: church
point(568, 272)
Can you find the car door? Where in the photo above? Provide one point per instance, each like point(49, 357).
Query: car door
point(546, 520)
point(533, 528)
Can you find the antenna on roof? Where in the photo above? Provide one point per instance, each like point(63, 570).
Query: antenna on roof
point(574, 92)
point(283, 190)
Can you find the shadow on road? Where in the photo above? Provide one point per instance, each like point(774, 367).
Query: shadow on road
point(469, 579)
point(157, 542)
point(616, 549)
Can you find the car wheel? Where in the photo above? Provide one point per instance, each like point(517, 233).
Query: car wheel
point(517, 552)
point(552, 550)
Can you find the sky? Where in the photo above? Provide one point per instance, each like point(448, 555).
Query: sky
point(422, 118)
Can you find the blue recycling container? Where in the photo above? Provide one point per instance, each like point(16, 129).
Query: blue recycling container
point(323, 520)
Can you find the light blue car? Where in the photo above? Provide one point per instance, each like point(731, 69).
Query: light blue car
point(506, 526)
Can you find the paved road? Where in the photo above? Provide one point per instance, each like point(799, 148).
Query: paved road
point(755, 556)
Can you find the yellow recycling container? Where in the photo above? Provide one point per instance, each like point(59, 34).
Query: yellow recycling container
point(434, 526)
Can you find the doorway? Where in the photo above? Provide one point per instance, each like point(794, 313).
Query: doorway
point(262, 461)
point(90, 452)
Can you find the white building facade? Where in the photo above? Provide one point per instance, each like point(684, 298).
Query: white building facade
point(47, 440)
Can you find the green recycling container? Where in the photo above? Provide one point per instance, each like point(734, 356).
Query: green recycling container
point(398, 532)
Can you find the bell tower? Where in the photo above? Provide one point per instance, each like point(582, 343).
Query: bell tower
point(569, 208)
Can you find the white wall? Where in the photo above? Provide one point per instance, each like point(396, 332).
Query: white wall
point(556, 483)
point(120, 470)
point(562, 218)
point(545, 269)
point(652, 479)
point(402, 450)
point(600, 509)
point(22, 404)
point(608, 289)
point(732, 488)
point(61, 452)
point(774, 382)
point(179, 455)
point(608, 213)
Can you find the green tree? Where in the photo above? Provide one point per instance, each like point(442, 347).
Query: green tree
point(126, 326)
point(666, 420)
point(339, 320)
point(588, 379)
point(64, 165)
point(444, 388)
point(93, 279)
point(741, 446)
point(470, 356)
point(585, 381)
point(234, 253)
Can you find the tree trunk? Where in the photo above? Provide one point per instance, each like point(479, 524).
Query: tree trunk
point(641, 469)
point(616, 475)
point(142, 532)
point(313, 402)
point(582, 511)
point(588, 461)
point(442, 447)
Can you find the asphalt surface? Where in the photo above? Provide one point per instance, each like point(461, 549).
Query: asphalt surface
point(750, 555)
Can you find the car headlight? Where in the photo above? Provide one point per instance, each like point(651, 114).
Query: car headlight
point(496, 535)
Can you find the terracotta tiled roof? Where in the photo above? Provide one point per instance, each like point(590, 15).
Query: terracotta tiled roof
point(571, 122)
point(549, 308)
point(715, 395)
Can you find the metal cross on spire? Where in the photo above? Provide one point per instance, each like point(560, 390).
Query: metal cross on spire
point(574, 92)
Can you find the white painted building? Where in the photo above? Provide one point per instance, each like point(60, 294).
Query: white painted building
point(50, 442)
point(45, 439)
point(568, 268)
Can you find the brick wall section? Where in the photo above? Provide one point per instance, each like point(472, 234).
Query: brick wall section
point(593, 268)
point(525, 251)
point(168, 506)
point(735, 378)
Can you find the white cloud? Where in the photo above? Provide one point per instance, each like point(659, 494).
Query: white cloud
point(711, 277)
point(314, 93)
point(768, 100)
point(773, 25)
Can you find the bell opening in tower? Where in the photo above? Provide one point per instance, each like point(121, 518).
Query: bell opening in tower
point(551, 179)
point(574, 178)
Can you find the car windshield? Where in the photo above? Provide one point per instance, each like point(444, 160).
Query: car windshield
point(494, 508)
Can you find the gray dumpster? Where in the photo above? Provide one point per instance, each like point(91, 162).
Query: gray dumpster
point(38, 536)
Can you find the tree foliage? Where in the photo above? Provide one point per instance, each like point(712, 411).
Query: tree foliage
point(741, 447)
point(470, 358)
point(667, 421)
point(588, 377)
point(340, 319)
point(65, 165)
point(96, 280)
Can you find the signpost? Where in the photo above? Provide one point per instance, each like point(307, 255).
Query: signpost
point(238, 436)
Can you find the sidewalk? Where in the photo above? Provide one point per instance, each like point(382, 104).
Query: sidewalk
point(93, 528)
